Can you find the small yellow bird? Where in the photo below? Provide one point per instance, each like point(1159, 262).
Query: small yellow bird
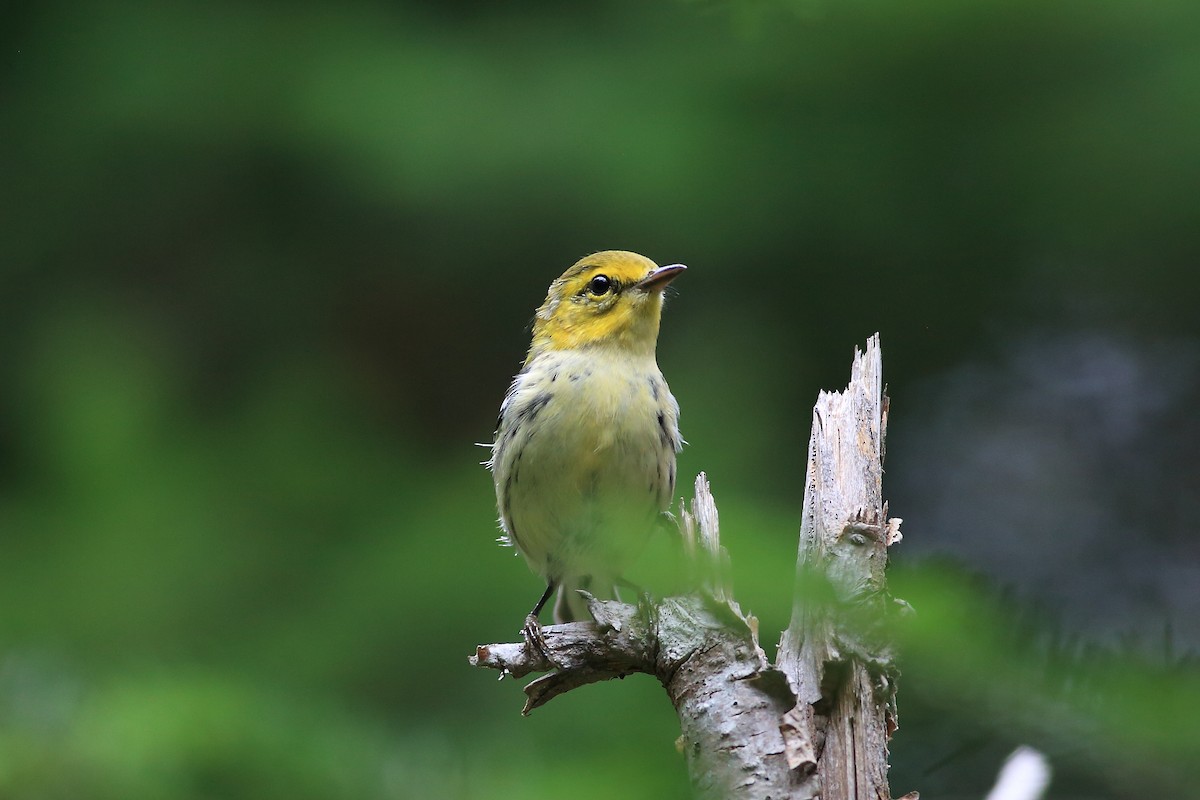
point(584, 452)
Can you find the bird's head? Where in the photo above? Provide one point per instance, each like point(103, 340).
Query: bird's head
point(609, 299)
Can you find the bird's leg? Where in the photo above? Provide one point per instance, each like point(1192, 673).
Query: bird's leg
point(624, 583)
point(532, 629)
point(537, 608)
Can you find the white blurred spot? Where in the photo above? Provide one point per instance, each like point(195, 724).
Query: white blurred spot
point(1024, 776)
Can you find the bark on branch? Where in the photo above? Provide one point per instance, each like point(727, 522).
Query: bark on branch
point(816, 723)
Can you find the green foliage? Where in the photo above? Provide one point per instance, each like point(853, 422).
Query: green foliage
point(265, 273)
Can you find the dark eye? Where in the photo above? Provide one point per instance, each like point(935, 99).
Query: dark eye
point(600, 285)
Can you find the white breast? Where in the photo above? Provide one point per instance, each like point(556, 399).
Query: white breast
point(584, 460)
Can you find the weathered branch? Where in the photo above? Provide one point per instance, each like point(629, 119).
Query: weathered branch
point(619, 643)
point(703, 650)
point(816, 725)
point(835, 651)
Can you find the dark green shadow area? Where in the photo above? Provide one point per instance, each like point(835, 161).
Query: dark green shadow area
point(264, 276)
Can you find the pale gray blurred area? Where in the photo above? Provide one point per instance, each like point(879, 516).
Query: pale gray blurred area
point(1065, 466)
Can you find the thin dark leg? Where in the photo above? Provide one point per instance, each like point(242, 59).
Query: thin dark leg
point(532, 629)
point(537, 609)
point(622, 583)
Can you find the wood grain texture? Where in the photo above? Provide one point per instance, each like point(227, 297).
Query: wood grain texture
point(836, 652)
point(817, 723)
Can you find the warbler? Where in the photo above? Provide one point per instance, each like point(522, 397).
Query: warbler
point(583, 457)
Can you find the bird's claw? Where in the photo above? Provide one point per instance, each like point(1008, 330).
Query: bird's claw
point(535, 639)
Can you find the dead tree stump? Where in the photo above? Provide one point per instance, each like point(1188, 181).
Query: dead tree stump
point(815, 724)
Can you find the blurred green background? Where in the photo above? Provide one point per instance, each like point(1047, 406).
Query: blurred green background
point(267, 269)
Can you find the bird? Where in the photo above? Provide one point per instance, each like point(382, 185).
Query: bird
point(583, 456)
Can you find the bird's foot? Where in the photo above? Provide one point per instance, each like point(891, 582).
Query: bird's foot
point(535, 639)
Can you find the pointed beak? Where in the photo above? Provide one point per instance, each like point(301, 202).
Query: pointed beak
point(659, 277)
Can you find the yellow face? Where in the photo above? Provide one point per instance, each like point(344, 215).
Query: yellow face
point(612, 298)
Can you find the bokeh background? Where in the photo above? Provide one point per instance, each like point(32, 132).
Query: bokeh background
point(268, 267)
